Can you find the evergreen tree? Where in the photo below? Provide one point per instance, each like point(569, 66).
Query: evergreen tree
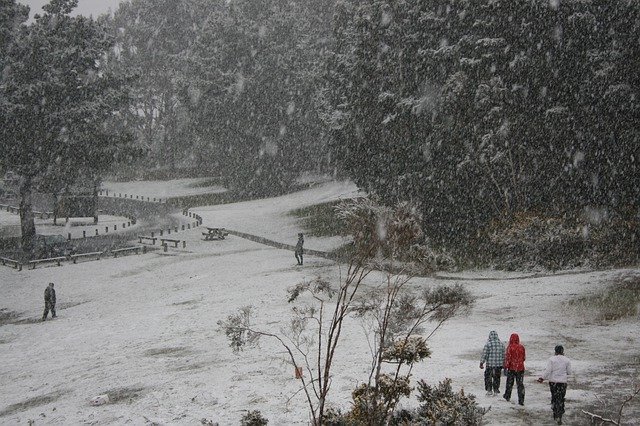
point(488, 108)
point(59, 111)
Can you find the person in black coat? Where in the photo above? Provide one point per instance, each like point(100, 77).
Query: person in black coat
point(49, 302)
point(299, 250)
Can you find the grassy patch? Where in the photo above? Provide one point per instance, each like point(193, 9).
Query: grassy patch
point(320, 220)
point(7, 316)
point(207, 183)
point(213, 199)
point(124, 395)
point(172, 352)
point(619, 300)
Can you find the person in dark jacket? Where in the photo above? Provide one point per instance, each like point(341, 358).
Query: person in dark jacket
point(299, 251)
point(49, 302)
point(514, 364)
point(493, 356)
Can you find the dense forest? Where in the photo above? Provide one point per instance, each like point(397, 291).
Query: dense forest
point(492, 117)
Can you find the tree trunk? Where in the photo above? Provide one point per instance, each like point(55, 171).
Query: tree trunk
point(55, 208)
point(95, 203)
point(27, 225)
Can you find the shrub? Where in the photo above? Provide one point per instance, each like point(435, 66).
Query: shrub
point(441, 405)
point(254, 418)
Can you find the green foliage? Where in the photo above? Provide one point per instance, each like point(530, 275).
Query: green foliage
point(237, 328)
point(407, 351)
point(60, 110)
point(229, 87)
point(320, 220)
point(478, 110)
point(440, 405)
point(373, 405)
point(380, 232)
point(254, 418)
point(12, 15)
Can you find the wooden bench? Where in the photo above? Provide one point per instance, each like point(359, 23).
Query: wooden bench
point(125, 250)
point(165, 240)
point(152, 239)
point(14, 263)
point(96, 254)
point(57, 260)
point(215, 234)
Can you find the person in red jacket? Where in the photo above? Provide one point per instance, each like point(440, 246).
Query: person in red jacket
point(514, 364)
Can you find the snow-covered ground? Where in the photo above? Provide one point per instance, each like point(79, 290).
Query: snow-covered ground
point(10, 225)
point(143, 329)
point(163, 189)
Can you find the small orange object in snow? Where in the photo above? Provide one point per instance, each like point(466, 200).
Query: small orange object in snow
point(298, 372)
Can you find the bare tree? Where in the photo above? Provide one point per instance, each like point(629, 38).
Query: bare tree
point(598, 419)
point(381, 236)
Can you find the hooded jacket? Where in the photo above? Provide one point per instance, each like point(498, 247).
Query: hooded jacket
point(515, 355)
point(493, 352)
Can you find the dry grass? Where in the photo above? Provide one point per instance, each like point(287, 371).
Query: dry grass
point(620, 299)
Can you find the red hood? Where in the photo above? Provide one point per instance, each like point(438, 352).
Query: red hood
point(514, 338)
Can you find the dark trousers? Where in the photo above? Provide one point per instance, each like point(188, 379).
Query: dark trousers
point(518, 376)
point(558, 392)
point(48, 306)
point(299, 257)
point(492, 379)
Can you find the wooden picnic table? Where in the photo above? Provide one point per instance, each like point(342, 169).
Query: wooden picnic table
point(215, 234)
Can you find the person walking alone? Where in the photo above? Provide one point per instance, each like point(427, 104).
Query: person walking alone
point(493, 356)
point(298, 252)
point(557, 372)
point(49, 302)
point(514, 358)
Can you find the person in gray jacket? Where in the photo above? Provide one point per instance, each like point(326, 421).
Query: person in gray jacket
point(557, 373)
point(49, 302)
point(493, 356)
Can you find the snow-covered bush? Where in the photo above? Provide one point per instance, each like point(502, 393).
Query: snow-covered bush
point(441, 405)
point(531, 242)
point(254, 418)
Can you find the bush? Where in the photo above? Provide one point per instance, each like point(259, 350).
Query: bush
point(440, 405)
point(530, 241)
point(253, 418)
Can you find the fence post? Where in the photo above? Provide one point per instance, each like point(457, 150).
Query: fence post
point(69, 236)
point(106, 229)
point(161, 232)
point(84, 234)
point(152, 234)
point(184, 244)
point(169, 231)
point(164, 247)
point(96, 232)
